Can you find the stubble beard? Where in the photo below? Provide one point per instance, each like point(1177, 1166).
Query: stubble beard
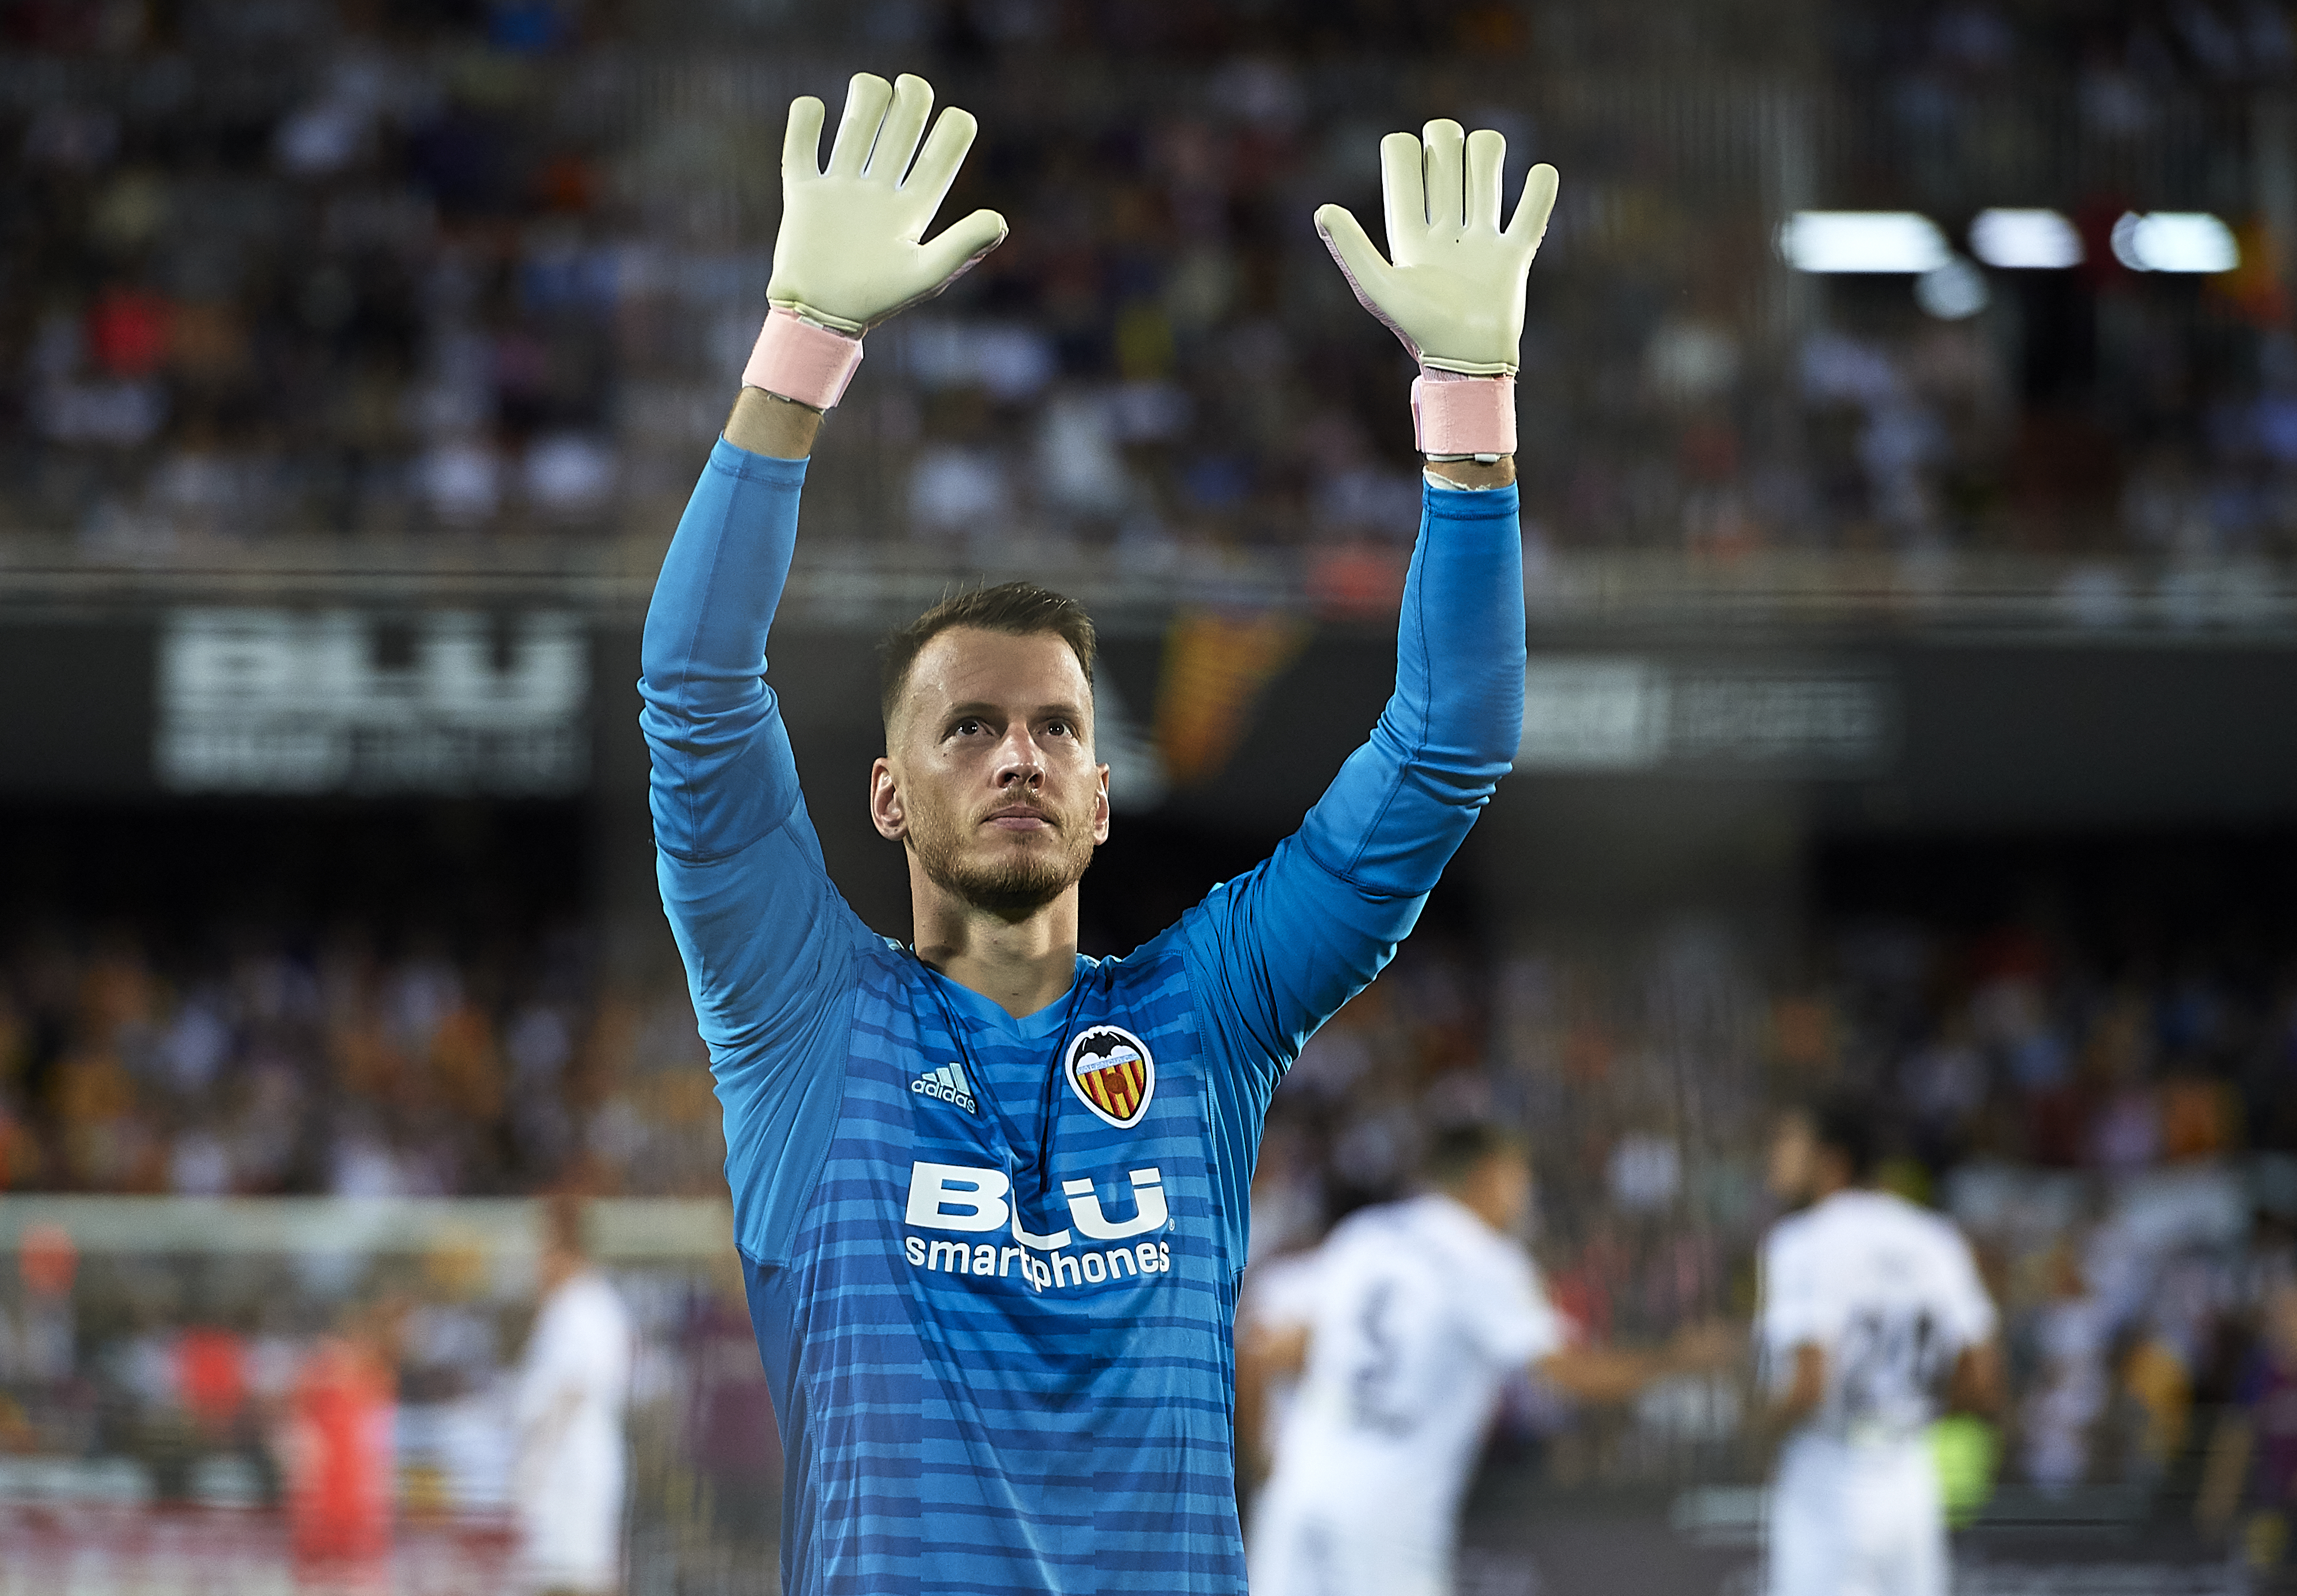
point(1012, 886)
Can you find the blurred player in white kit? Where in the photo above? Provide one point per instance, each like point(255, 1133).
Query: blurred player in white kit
point(573, 1385)
point(1414, 1313)
point(1872, 1317)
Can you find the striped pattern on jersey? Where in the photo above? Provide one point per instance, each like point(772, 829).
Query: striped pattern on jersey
point(972, 1413)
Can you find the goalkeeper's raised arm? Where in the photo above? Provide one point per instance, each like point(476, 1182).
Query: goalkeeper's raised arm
point(765, 937)
point(1302, 933)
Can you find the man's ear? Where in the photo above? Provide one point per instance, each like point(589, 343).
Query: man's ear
point(886, 812)
point(1101, 807)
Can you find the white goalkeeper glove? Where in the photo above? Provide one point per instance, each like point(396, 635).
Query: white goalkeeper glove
point(1453, 292)
point(851, 250)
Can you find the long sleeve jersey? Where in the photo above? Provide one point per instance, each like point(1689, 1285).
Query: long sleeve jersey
point(992, 1261)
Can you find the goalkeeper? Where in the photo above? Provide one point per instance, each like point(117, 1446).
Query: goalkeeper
point(989, 1194)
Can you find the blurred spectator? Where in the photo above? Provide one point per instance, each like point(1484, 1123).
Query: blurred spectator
point(38, 1338)
point(573, 1385)
point(338, 1452)
point(735, 1441)
point(2071, 1339)
point(2252, 1457)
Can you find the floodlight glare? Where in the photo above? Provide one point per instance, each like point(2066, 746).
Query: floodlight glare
point(1863, 241)
point(2175, 241)
point(2027, 240)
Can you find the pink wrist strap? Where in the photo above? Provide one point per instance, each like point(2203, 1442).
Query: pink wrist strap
point(1453, 414)
point(800, 361)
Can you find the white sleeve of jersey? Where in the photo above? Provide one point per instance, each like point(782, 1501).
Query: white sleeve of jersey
point(1508, 1316)
point(1281, 1293)
point(1796, 1308)
point(550, 1365)
point(1969, 1312)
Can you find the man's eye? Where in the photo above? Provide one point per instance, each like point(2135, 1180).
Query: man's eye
point(966, 729)
point(1059, 728)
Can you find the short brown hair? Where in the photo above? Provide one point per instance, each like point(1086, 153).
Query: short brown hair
point(1458, 1151)
point(1848, 1121)
point(1016, 609)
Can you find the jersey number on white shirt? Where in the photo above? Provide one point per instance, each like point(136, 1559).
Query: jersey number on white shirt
point(1375, 1402)
point(1893, 1363)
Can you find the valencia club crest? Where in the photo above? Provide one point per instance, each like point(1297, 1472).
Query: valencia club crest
point(1111, 1072)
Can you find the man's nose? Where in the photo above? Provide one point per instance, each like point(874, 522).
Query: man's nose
point(1018, 761)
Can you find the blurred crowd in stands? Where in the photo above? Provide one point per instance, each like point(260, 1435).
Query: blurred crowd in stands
point(444, 267)
point(341, 1072)
point(2118, 1133)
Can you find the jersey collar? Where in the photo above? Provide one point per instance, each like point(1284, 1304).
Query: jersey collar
point(981, 1011)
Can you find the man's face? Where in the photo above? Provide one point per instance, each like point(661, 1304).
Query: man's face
point(1499, 1188)
point(1794, 1159)
point(989, 775)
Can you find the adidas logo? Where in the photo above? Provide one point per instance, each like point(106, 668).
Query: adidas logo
point(949, 1085)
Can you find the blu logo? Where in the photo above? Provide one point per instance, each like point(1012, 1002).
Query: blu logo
point(959, 1197)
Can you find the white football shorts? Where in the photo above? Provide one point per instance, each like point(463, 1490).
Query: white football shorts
point(1854, 1520)
point(1301, 1546)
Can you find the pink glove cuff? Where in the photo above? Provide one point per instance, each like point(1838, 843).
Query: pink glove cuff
point(800, 361)
point(1453, 414)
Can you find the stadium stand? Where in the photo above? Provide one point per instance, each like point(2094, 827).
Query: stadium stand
point(462, 271)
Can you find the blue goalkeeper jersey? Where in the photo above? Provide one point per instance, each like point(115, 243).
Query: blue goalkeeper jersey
point(992, 1262)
